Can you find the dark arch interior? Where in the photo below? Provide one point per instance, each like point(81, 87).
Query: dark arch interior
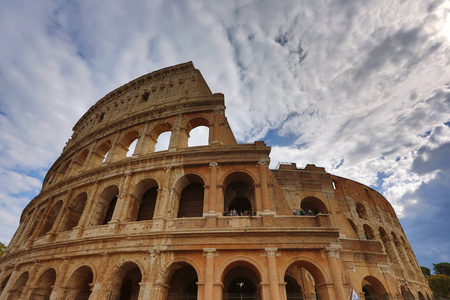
point(147, 208)
point(191, 201)
point(183, 284)
point(110, 211)
point(293, 289)
point(129, 288)
point(241, 283)
point(241, 205)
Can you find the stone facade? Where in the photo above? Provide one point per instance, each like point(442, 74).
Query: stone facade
point(157, 224)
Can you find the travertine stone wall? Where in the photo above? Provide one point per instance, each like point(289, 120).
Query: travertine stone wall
point(208, 222)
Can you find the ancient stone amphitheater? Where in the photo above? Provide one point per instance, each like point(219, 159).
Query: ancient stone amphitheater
point(197, 222)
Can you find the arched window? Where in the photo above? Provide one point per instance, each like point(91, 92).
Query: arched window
point(104, 206)
point(127, 145)
point(132, 148)
point(110, 211)
point(198, 136)
point(63, 171)
point(198, 132)
point(163, 141)
point(16, 290)
point(368, 232)
point(79, 162)
point(79, 284)
point(148, 203)
point(314, 205)
point(362, 213)
point(239, 193)
point(191, 201)
point(74, 212)
point(35, 222)
point(44, 285)
point(100, 154)
point(182, 282)
point(126, 282)
point(373, 289)
point(51, 218)
point(406, 294)
point(302, 278)
point(159, 139)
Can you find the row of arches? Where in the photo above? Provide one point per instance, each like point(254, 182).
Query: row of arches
point(134, 142)
point(240, 279)
point(395, 248)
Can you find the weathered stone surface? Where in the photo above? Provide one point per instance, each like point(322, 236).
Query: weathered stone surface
point(156, 225)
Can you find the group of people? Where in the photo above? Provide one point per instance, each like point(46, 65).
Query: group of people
point(234, 212)
point(301, 212)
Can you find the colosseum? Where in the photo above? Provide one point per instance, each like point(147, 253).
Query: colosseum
point(121, 215)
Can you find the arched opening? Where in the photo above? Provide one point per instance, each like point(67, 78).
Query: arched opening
point(191, 201)
point(400, 250)
point(421, 297)
point(409, 254)
point(198, 132)
point(241, 281)
point(51, 218)
point(128, 145)
point(406, 294)
point(159, 138)
point(301, 279)
point(101, 154)
point(125, 285)
point(198, 136)
point(16, 290)
point(368, 232)
point(239, 196)
point(361, 211)
point(314, 206)
point(182, 281)
point(293, 289)
point(79, 162)
point(387, 245)
point(373, 289)
point(4, 283)
point(148, 203)
point(104, 206)
point(35, 222)
point(190, 189)
point(144, 200)
point(63, 171)
point(74, 212)
point(163, 141)
point(353, 225)
point(79, 284)
point(44, 285)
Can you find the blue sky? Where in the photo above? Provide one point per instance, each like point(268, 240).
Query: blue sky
point(361, 88)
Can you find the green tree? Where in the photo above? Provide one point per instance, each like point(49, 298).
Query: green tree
point(425, 271)
point(440, 285)
point(2, 248)
point(442, 268)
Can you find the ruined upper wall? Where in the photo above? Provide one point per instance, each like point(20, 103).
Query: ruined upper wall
point(169, 85)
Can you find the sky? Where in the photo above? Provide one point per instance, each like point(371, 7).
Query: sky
point(361, 88)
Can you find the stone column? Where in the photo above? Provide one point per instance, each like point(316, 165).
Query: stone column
point(264, 190)
point(26, 292)
point(98, 287)
point(12, 279)
point(142, 141)
point(272, 271)
point(213, 187)
point(90, 202)
point(209, 254)
point(62, 212)
point(58, 289)
point(122, 206)
point(332, 254)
